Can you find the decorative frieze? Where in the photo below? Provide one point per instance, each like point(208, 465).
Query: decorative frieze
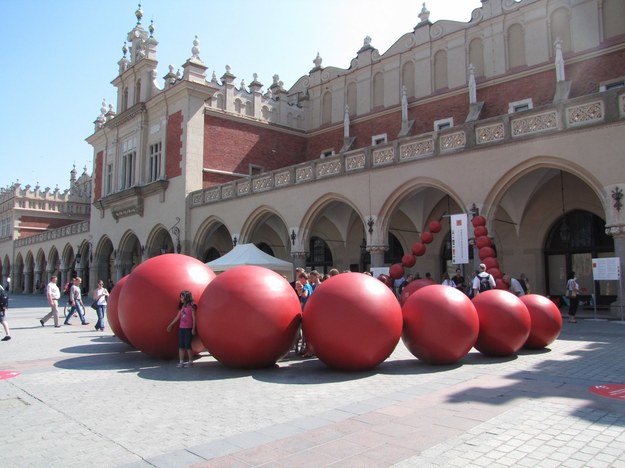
point(355, 161)
point(196, 198)
point(534, 124)
point(243, 188)
point(282, 178)
point(303, 174)
point(211, 195)
point(416, 149)
point(262, 184)
point(490, 133)
point(383, 156)
point(452, 141)
point(585, 113)
point(329, 168)
point(227, 191)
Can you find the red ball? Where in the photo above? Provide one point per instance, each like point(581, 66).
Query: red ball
point(546, 321)
point(486, 252)
point(482, 241)
point(478, 221)
point(426, 237)
point(496, 272)
point(112, 310)
point(396, 271)
point(504, 323)
point(352, 321)
point(248, 317)
point(150, 297)
point(387, 280)
point(440, 324)
point(418, 249)
point(501, 284)
point(435, 226)
point(408, 260)
point(413, 287)
point(490, 262)
point(480, 231)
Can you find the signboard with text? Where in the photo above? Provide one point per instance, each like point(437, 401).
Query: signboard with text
point(606, 268)
point(459, 238)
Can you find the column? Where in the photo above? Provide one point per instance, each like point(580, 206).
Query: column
point(618, 234)
point(377, 255)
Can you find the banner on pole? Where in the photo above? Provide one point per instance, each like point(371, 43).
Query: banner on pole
point(459, 238)
point(606, 268)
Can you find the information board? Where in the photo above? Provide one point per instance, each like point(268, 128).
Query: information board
point(606, 268)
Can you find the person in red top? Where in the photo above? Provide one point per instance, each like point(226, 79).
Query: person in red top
point(186, 327)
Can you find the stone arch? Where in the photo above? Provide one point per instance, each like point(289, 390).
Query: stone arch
point(515, 43)
point(129, 253)
point(159, 241)
point(213, 234)
point(265, 216)
point(476, 56)
point(408, 78)
point(104, 260)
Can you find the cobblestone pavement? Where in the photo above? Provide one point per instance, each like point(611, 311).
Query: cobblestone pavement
point(83, 398)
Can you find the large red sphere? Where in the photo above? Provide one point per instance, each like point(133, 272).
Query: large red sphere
point(546, 321)
point(408, 260)
point(480, 231)
point(496, 272)
point(387, 280)
point(478, 221)
point(504, 323)
point(413, 287)
point(435, 226)
point(482, 241)
point(486, 252)
point(396, 271)
point(418, 249)
point(426, 237)
point(112, 310)
point(150, 297)
point(501, 284)
point(490, 262)
point(248, 317)
point(440, 324)
point(352, 321)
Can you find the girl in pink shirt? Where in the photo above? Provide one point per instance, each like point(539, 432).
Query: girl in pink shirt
point(186, 328)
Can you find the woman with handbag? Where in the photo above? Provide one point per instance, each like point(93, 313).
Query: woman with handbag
point(99, 304)
point(572, 292)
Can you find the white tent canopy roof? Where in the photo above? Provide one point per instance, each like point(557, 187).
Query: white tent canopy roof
point(248, 254)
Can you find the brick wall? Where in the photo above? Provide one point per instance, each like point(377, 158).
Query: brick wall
point(173, 153)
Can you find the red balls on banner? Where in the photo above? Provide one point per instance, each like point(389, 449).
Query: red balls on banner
point(112, 310)
point(480, 231)
point(486, 252)
point(440, 324)
point(408, 260)
point(413, 287)
point(352, 322)
point(504, 323)
point(149, 300)
point(418, 249)
point(482, 241)
point(248, 317)
point(396, 271)
point(546, 321)
point(426, 237)
point(478, 221)
point(435, 226)
point(490, 262)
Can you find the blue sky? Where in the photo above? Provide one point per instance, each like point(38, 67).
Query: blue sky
point(59, 58)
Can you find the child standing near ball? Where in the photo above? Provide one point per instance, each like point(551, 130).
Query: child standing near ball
point(186, 327)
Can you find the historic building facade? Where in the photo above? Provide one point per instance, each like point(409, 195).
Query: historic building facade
point(518, 114)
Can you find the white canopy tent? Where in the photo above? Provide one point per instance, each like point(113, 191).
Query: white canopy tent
point(249, 254)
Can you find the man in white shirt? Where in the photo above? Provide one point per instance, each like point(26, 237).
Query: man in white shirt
point(485, 277)
point(53, 293)
point(515, 285)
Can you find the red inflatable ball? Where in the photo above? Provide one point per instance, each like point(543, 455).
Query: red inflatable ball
point(490, 262)
point(504, 323)
point(480, 231)
point(546, 321)
point(248, 317)
point(486, 252)
point(352, 322)
point(413, 287)
point(501, 284)
point(112, 310)
point(440, 324)
point(408, 260)
point(435, 226)
point(495, 272)
point(149, 301)
point(387, 280)
point(478, 221)
point(482, 241)
point(418, 249)
point(396, 271)
point(426, 237)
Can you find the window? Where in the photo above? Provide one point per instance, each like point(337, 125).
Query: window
point(128, 160)
point(255, 170)
point(442, 124)
point(378, 139)
point(612, 84)
point(108, 179)
point(138, 92)
point(327, 153)
point(520, 106)
point(154, 163)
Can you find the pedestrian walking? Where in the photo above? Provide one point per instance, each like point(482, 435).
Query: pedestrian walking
point(100, 295)
point(54, 294)
point(75, 300)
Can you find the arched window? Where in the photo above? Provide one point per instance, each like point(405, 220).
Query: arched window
point(613, 14)
point(265, 248)
point(378, 90)
point(125, 99)
point(440, 70)
point(395, 251)
point(351, 98)
point(561, 28)
point(138, 92)
point(211, 254)
point(408, 78)
point(326, 110)
point(319, 255)
point(476, 56)
point(516, 46)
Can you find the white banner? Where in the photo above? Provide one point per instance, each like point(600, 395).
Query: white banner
point(606, 268)
point(459, 238)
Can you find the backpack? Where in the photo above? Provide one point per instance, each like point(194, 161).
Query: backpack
point(66, 289)
point(4, 300)
point(484, 282)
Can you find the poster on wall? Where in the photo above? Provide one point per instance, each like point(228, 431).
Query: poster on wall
point(606, 268)
point(459, 238)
